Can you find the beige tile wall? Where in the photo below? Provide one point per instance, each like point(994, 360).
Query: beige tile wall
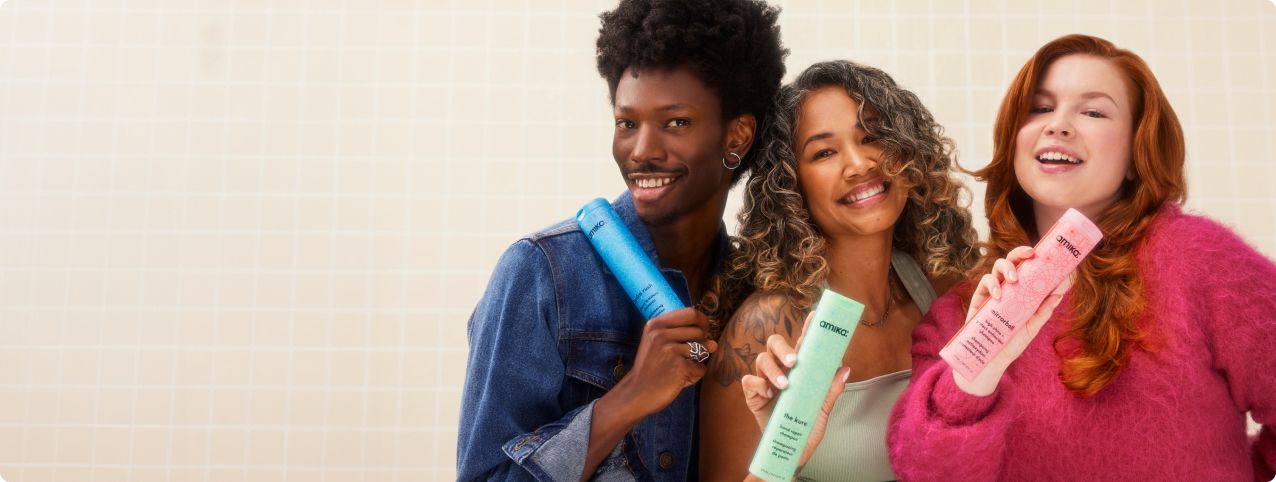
point(240, 240)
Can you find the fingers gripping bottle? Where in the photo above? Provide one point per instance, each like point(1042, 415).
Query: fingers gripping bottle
point(1057, 254)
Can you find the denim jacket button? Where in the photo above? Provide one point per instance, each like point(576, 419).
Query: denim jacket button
point(619, 371)
point(666, 460)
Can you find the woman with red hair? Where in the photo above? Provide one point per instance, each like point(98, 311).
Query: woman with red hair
point(1146, 367)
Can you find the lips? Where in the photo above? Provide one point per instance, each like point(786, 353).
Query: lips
point(1058, 155)
point(650, 186)
point(654, 182)
point(866, 193)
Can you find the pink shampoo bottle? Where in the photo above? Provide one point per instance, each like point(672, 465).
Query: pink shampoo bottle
point(1057, 254)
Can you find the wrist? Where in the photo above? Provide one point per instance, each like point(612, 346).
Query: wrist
point(618, 408)
point(983, 385)
point(950, 402)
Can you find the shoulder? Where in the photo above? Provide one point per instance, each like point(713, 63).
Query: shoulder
point(562, 229)
point(1189, 253)
point(1179, 240)
point(535, 264)
point(1173, 227)
point(745, 334)
point(764, 314)
point(543, 248)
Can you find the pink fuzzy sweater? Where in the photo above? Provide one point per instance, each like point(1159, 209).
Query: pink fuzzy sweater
point(1177, 413)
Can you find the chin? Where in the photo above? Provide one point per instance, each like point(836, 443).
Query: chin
point(1060, 201)
point(880, 226)
point(655, 218)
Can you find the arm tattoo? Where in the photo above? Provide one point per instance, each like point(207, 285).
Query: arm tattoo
point(745, 338)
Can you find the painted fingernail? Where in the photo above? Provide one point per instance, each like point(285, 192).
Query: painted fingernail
point(782, 381)
point(790, 359)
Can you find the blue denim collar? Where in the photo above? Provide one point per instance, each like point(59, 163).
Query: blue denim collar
point(624, 206)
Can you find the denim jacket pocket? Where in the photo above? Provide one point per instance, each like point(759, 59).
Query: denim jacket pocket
point(596, 361)
point(600, 358)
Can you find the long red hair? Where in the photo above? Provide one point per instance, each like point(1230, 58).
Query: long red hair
point(1107, 297)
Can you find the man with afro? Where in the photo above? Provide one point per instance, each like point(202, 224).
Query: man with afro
point(566, 380)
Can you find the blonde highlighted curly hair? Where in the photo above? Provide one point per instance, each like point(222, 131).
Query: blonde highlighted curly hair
point(779, 247)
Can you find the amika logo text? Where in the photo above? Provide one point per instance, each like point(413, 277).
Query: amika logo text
point(595, 228)
point(1076, 253)
point(833, 328)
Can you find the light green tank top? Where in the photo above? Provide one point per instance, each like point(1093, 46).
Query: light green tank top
point(854, 445)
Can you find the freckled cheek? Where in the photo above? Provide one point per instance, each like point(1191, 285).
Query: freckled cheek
point(1113, 145)
point(1026, 140)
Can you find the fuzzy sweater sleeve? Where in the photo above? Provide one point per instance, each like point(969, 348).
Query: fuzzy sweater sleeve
point(1236, 306)
point(937, 431)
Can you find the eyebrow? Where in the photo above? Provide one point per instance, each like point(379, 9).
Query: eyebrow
point(816, 137)
point(1085, 96)
point(825, 135)
point(663, 108)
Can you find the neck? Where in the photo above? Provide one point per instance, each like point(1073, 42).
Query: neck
point(1046, 216)
point(688, 247)
point(859, 266)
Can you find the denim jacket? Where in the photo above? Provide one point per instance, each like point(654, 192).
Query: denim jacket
point(553, 332)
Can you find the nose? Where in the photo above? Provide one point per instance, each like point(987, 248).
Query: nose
point(648, 146)
point(1059, 126)
point(859, 161)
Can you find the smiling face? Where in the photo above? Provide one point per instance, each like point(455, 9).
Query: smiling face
point(669, 143)
point(839, 168)
point(1074, 148)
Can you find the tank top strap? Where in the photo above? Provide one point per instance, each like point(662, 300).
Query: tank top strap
point(914, 280)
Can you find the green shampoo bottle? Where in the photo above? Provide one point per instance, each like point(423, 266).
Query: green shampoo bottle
point(823, 346)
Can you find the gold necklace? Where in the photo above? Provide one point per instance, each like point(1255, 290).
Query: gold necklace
point(890, 301)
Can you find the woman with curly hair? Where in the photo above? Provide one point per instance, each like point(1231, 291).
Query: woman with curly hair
point(853, 191)
point(566, 380)
point(1148, 365)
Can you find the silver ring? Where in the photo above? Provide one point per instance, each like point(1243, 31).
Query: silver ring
point(698, 352)
point(738, 161)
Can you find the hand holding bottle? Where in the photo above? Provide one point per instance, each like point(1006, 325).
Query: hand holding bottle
point(769, 377)
point(989, 287)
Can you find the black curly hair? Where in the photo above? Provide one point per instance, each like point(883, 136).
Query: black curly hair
point(732, 45)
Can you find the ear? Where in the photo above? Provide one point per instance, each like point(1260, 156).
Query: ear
point(1129, 172)
point(740, 133)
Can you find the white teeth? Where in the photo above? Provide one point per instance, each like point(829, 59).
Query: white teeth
point(1058, 156)
point(650, 183)
point(862, 195)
